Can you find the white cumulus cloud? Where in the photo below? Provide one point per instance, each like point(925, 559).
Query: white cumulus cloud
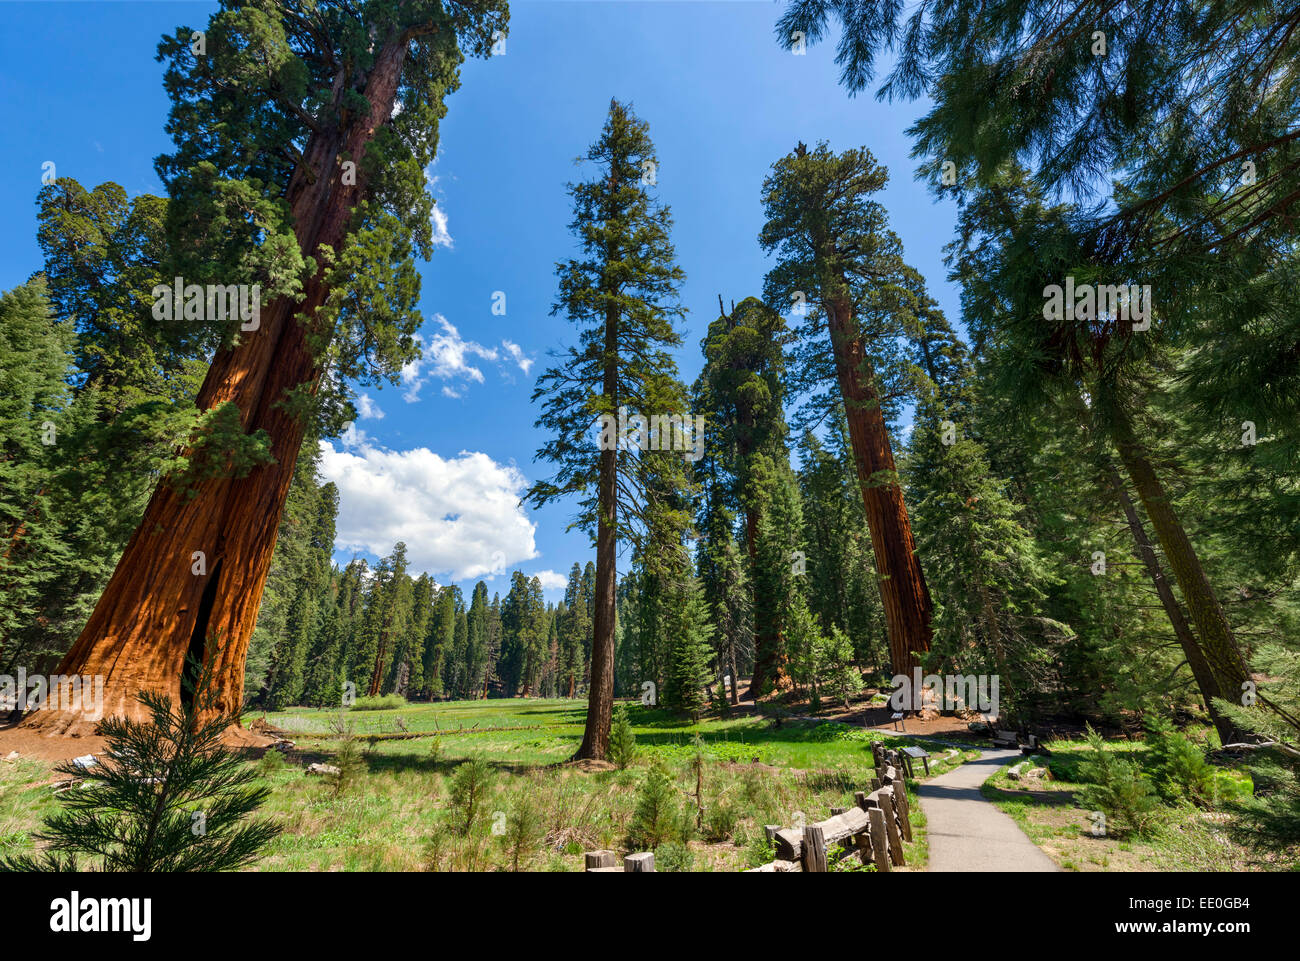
point(460, 516)
point(441, 235)
point(550, 579)
point(445, 356)
point(367, 409)
point(517, 353)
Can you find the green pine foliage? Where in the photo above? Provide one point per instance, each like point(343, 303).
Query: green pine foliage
point(467, 795)
point(523, 829)
point(689, 653)
point(1116, 787)
point(622, 739)
point(658, 815)
point(1182, 773)
point(166, 796)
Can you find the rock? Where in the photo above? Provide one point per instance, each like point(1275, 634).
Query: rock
point(1038, 772)
point(1015, 772)
point(12, 756)
point(85, 761)
point(978, 727)
point(322, 769)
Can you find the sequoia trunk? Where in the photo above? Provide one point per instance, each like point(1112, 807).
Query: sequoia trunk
point(903, 593)
point(600, 694)
point(161, 604)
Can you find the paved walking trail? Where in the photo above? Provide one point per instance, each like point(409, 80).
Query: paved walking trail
point(966, 832)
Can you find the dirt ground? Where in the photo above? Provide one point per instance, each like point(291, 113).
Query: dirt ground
point(44, 746)
point(929, 723)
point(58, 747)
point(862, 715)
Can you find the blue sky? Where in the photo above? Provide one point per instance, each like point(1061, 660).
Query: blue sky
point(441, 459)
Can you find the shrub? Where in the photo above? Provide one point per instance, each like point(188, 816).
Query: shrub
point(1116, 787)
point(1180, 767)
point(720, 821)
point(657, 816)
point(622, 739)
point(674, 856)
point(349, 760)
point(271, 763)
point(470, 784)
point(523, 828)
point(383, 703)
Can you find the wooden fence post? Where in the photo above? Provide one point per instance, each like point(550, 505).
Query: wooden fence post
point(901, 802)
point(879, 842)
point(891, 826)
point(601, 859)
point(643, 863)
point(814, 848)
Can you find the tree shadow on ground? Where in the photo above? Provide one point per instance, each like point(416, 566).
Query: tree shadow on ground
point(1045, 799)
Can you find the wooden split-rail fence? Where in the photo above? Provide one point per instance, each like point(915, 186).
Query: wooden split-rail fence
point(873, 831)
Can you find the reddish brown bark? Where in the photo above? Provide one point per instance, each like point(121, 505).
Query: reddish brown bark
point(376, 684)
point(154, 610)
point(600, 698)
point(903, 592)
point(600, 694)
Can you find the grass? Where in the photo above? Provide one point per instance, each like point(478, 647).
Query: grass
point(397, 816)
point(1185, 838)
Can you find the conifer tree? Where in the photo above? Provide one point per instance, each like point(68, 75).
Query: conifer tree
point(297, 588)
point(742, 389)
point(442, 629)
point(33, 396)
point(841, 265)
point(723, 577)
point(689, 651)
point(321, 688)
point(575, 626)
point(476, 643)
point(1100, 368)
point(622, 293)
point(165, 796)
point(840, 584)
point(622, 739)
point(779, 568)
point(315, 192)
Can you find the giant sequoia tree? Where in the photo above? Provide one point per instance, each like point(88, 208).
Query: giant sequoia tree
point(839, 261)
point(622, 294)
point(1175, 123)
point(741, 390)
point(292, 171)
